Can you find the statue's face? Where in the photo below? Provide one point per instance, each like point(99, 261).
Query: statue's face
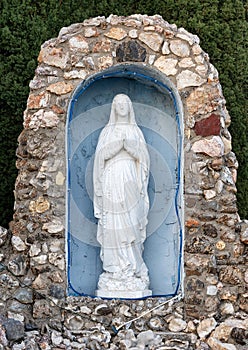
point(122, 107)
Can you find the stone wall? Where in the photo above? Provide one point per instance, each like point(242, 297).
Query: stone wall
point(36, 313)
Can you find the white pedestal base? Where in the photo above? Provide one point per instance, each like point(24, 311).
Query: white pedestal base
point(123, 294)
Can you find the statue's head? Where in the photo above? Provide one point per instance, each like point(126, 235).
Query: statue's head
point(122, 110)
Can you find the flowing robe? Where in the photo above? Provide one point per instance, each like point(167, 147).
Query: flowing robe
point(121, 170)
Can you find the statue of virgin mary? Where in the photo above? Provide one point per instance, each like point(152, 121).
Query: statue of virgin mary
point(121, 204)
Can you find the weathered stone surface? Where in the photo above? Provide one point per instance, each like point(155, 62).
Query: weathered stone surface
point(197, 261)
point(57, 260)
point(78, 42)
point(105, 62)
point(204, 99)
point(152, 40)
point(41, 309)
point(18, 265)
point(208, 126)
point(38, 101)
point(3, 339)
point(102, 46)
point(40, 260)
point(227, 309)
point(41, 205)
point(188, 78)
point(231, 275)
point(166, 65)
point(244, 236)
point(130, 51)
point(74, 322)
point(24, 295)
point(209, 194)
point(206, 326)
point(177, 325)
point(185, 35)
point(56, 291)
point(165, 48)
point(240, 335)
point(53, 227)
point(75, 74)
point(186, 63)
point(14, 330)
point(217, 345)
point(3, 235)
point(53, 56)
point(179, 48)
point(133, 33)
point(42, 119)
point(213, 147)
point(90, 32)
point(116, 33)
point(60, 88)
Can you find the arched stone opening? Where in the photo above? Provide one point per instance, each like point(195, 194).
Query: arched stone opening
point(158, 111)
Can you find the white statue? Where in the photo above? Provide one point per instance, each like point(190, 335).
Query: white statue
point(121, 171)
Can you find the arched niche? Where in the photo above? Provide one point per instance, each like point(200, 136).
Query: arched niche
point(158, 112)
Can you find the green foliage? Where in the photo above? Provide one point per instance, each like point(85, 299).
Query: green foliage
point(26, 24)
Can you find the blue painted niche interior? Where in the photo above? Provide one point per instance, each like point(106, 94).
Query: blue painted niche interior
point(157, 114)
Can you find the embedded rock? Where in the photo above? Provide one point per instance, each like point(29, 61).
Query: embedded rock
point(14, 330)
point(188, 78)
point(206, 327)
point(212, 147)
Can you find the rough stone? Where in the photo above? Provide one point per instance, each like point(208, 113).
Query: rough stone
point(209, 194)
point(60, 88)
point(186, 63)
point(130, 51)
point(179, 48)
point(165, 48)
point(152, 40)
point(188, 78)
point(24, 295)
point(57, 260)
point(79, 43)
point(204, 99)
point(133, 33)
point(56, 291)
point(177, 325)
point(244, 236)
point(37, 101)
point(240, 335)
point(206, 326)
point(14, 330)
point(166, 65)
point(54, 226)
point(217, 345)
point(208, 126)
point(3, 235)
point(222, 332)
point(75, 74)
point(105, 62)
point(116, 33)
point(213, 147)
point(18, 243)
point(227, 309)
point(3, 339)
point(41, 260)
point(53, 56)
point(18, 265)
point(42, 119)
point(90, 32)
point(102, 46)
point(41, 205)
